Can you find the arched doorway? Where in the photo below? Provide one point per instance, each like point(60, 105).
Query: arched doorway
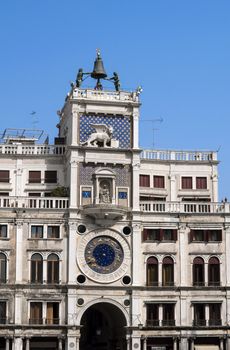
point(103, 328)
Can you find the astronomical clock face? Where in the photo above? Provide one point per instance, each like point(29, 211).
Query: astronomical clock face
point(103, 256)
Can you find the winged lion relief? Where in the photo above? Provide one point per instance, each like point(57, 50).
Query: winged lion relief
point(101, 137)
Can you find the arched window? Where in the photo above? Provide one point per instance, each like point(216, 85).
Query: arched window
point(2, 268)
point(168, 272)
point(53, 269)
point(152, 271)
point(213, 272)
point(198, 272)
point(36, 274)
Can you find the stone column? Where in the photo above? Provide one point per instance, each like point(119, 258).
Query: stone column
point(206, 273)
point(191, 344)
point(19, 250)
point(18, 345)
point(184, 344)
point(74, 125)
point(145, 343)
point(18, 308)
point(173, 188)
point(74, 183)
point(137, 257)
point(128, 342)
point(135, 127)
point(206, 314)
point(73, 337)
point(59, 344)
point(44, 276)
point(227, 266)
point(174, 343)
point(77, 343)
point(183, 254)
point(72, 252)
point(160, 273)
point(135, 189)
point(215, 187)
point(221, 344)
point(27, 343)
point(136, 343)
point(160, 314)
point(7, 343)
point(228, 343)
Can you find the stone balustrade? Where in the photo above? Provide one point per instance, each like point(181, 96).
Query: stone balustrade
point(34, 202)
point(53, 150)
point(184, 207)
point(185, 156)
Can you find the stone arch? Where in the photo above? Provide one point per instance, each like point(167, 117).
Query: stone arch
point(103, 300)
point(103, 325)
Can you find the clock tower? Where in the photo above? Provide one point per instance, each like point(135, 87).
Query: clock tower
point(100, 128)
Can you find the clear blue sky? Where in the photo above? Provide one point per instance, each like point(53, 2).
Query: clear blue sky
point(178, 50)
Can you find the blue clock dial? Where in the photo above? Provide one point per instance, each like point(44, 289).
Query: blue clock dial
point(104, 254)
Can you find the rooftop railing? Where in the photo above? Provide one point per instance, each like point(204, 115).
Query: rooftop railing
point(53, 150)
point(199, 156)
point(184, 207)
point(34, 203)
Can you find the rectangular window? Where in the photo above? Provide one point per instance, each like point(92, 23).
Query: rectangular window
point(197, 235)
point(36, 313)
point(34, 177)
point(4, 176)
point(186, 183)
point(151, 234)
point(37, 231)
point(214, 314)
point(159, 235)
point(152, 315)
point(52, 315)
point(2, 312)
point(158, 181)
point(201, 183)
point(169, 235)
point(3, 231)
point(34, 194)
point(214, 235)
point(53, 232)
point(205, 235)
point(199, 315)
point(168, 315)
point(50, 176)
point(144, 181)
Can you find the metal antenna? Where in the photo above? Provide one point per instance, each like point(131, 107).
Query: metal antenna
point(159, 120)
point(34, 119)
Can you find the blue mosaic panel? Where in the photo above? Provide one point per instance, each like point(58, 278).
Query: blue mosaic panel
point(86, 194)
point(122, 195)
point(121, 127)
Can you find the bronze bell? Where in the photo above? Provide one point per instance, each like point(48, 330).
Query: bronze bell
point(98, 69)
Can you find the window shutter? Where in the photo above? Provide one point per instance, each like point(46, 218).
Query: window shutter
point(145, 234)
point(207, 235)
point(191, 235)
point(175, 235)
point(161, 235)
point(4, 176)
point(220, 235)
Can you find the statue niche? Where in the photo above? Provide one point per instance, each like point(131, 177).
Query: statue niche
point(104, 192)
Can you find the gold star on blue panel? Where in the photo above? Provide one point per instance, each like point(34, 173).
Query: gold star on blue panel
point(121, 127)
